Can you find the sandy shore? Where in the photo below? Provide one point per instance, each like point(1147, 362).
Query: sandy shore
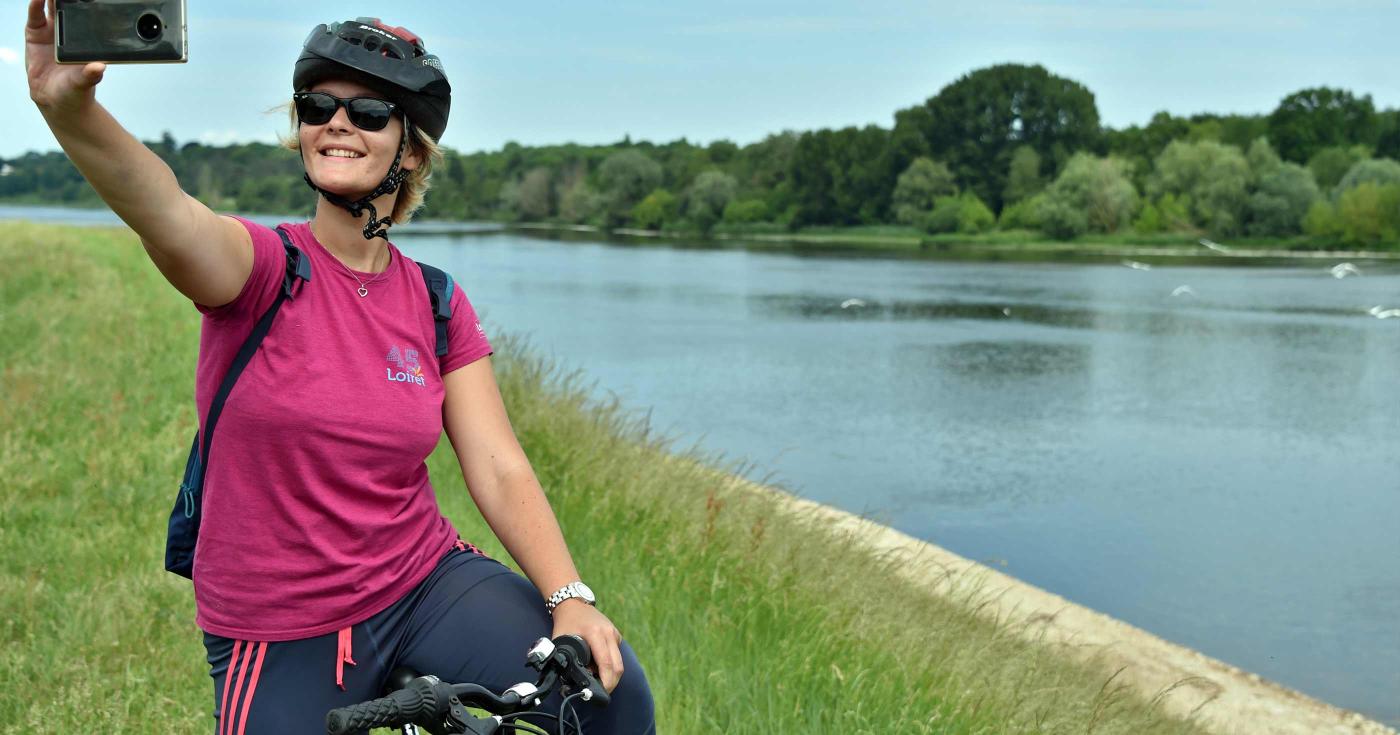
point(1225, 699)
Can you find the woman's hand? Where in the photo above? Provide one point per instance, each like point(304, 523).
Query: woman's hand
point(55, 88)
point(585, 621)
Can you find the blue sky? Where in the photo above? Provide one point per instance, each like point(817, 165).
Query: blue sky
point(592, 72)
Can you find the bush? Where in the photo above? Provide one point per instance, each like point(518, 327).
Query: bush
point(1214, 176)
point(745, 211)
point(964, 213)
point(1099, 188)
point(1285, 194)
point(658, 208)
point(1149, 220)
point(1370, 214)
point(1022, 215)
point(1322, 220)
point(919, 187)
point(973, 216)
point(1062, 220)
point(944, 217)
point(1379, 171)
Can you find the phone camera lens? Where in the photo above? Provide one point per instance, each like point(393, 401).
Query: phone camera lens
point(149, 27)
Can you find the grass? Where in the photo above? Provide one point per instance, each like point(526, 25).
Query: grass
point(748, 619)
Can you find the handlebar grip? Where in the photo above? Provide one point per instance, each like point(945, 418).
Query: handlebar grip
point(583, 657)
point(404, 706)
point(600, 695)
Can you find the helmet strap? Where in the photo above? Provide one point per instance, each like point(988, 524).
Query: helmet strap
point(375, 227)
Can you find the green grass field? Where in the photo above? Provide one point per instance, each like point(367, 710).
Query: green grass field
point(747, 619)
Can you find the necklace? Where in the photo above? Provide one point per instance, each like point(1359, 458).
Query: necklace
point(361, 290)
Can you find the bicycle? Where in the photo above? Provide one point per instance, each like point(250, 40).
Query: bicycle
point(441, 708)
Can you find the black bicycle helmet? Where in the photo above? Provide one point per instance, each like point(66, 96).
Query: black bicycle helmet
point(391, 61)
point(388, 59)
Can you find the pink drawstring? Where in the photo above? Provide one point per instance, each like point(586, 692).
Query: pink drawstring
point(468, 546)
point(342, 657)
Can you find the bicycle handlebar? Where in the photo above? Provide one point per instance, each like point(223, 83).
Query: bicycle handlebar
point(418, 700)
point(429, 702)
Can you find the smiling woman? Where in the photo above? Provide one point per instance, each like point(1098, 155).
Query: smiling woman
point(313, 529)
point(422, 149)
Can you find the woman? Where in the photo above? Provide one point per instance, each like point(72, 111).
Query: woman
point(323, 560)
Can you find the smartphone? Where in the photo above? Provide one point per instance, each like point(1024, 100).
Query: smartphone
point(120, 31)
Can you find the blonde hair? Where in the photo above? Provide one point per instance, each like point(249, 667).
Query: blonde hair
point(414, 188)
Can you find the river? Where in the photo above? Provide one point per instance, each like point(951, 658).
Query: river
point(1218, 466)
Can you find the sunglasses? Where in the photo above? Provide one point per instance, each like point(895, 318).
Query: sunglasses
point(365, 113)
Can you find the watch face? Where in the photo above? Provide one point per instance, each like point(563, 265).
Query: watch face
point(585, 592)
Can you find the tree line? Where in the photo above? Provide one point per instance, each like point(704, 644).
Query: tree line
point(1009, 147)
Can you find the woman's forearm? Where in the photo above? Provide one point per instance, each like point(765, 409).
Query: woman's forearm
point(129, 177)
point(521, 517)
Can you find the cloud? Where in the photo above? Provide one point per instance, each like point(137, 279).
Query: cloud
point(8, 55)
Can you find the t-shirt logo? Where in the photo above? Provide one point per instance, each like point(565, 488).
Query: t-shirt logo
point(409, 371)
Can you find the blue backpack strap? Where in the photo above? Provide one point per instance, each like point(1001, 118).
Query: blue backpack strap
point(183, 530)
point(440, 287)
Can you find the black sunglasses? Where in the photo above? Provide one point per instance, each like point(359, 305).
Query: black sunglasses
point(365, 113)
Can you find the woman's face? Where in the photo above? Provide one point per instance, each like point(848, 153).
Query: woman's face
point(370, 152)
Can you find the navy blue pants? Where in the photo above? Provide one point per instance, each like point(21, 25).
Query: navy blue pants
point(471, 620)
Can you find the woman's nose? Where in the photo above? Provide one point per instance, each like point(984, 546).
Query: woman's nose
point(340, 120)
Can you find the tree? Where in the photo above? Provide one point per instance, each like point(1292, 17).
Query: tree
point(1312, 119)
point(1262, 159)
point(1388, 134)
point(1330, 164)
point(722, 151)
point(532, 197)
point(917, 188)
point(1214, 176)
point(1379, 171)
point(1284, 196)
point(580, 203)
point(840, 177)
point(658, 208)
point(1099, 189)
point(978, 121)
point(627, 176)
point(1023, 179)
point(1370, 214)
point(708, 196)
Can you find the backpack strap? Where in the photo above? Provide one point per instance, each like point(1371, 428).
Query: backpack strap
point(185, 517)
point(440, 286)
point(298, 269)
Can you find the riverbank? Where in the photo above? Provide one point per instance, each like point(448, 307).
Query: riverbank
point(875, 241)
point(1187, 683)
point(1017, 245)
point(749, 616)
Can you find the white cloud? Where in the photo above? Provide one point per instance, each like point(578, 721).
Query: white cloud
point(8, 55)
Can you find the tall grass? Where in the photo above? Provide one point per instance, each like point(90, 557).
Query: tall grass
point(746, 617)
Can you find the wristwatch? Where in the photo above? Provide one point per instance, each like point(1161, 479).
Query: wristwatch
point(569, 591)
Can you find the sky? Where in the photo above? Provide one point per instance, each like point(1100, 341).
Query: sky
point(594, 72)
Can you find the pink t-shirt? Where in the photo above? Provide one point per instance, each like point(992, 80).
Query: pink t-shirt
point(317, 508)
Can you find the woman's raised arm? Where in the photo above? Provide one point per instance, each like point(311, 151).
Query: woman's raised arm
point(206, 257)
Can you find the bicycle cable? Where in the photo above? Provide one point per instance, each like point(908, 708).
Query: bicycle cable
point(578, 726)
